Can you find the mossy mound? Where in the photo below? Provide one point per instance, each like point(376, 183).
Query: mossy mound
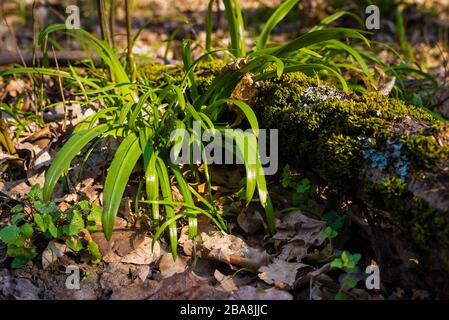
point(332, 134)
point(367, 144)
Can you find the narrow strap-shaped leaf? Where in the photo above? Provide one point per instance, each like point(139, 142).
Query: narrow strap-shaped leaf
point(195, 210)
point(337, 15)
point(264, 197)
point(169, 211)
point(152, 186)
point(209, 30)
point(138, 108)
point(236, 27)
point(62, 160)
point(188, 61)
point(249, 113)
point(273, 21)
point(186, 194)
point(311, 38)
point(125, 159)
point(247, 146)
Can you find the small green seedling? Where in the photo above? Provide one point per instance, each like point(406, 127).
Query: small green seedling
point(347, 262)
point(48, 222)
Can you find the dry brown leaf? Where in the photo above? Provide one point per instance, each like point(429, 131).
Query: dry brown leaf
point(168, 267)
point(253, 293)
point(53, 252)
point(281, 273)
point(187, 285)
point(250, 220)
point(296, 226)
point(245, 91)
point(18, 289)
point(232, 250)
point(15, 189)
point(136, 291)
point(293, 251)
point(226, 282)
point(144, 253)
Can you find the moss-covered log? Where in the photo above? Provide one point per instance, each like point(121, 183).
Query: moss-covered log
point(394, 157)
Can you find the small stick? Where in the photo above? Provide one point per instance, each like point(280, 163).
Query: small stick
point(130, 56)
point(64, 124)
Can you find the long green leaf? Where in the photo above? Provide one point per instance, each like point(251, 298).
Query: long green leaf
point(236, 27)
point(62, 160)
point(169, 211)
point(187, 195)
point(273, 21)
point(311, 38)
point(247, 147)
point(125, 159)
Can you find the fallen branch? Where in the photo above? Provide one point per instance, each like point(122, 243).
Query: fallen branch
point(63, 58)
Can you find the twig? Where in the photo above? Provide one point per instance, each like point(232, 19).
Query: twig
point(64, 124)
point(130, 56)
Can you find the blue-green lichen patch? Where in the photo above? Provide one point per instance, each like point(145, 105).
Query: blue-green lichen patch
point(392, 155)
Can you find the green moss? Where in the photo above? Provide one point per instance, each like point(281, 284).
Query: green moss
point(328, 135)
point(158, 72)
point(424, 149)
point(392, 187)
point(426, 225)
point(205, 72)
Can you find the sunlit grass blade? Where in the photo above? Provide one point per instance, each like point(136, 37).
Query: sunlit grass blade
point(342, 46)
point(312, 38)
point(169, 210)
point(209, 26)
point(138, 108)
point(273, 21)
point(188, 61)
point(62, 160)
point(236, 27)
point(195, 211)
point(36, 70)
point(264, 197)
point(246, 109)
point(247, 148)
point(333, 17)
point(125, 159)
point(186, 194)
point(152, 186)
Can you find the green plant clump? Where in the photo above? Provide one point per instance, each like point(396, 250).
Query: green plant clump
point(36, 221)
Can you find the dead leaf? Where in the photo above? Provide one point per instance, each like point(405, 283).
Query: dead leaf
point(185, 286)
point(53, 252)
point(250, 220)
point(15, 87)
point(232, 250)
point(226, 282)
point(253, 293)
point(144, 253)
point(295, 226)
point(15, 189)
point(136, 291)
point(168, 267)
point(281, 273)
point(293, 251)
point(245, 91)
point(18, 289)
